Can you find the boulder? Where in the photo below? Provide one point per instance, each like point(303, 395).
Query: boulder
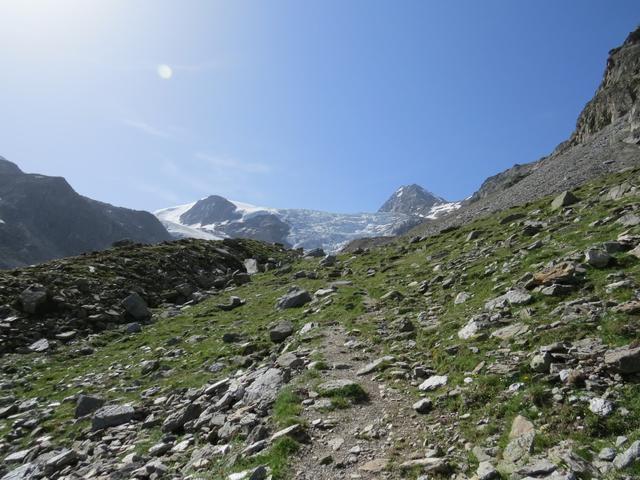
point(281, 332)
point(265, 387)
point(136, 308)
point(87, 404)
point(565, 199)
point(624, 359)
point(112, 416)
point(34, 299)
point(597, 258)
point(296, 297)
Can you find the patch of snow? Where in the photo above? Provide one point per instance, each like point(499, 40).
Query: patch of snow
point(2, 221)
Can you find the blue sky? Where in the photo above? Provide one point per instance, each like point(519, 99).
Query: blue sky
point(324, 104)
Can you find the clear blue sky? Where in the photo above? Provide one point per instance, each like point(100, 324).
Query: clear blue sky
point(324, 104)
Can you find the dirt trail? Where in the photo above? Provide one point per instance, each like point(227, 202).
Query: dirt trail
point(357, 442)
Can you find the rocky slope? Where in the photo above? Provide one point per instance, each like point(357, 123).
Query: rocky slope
point(215, 217)
point(506, 348)
point(42, 218)
point(606, 140)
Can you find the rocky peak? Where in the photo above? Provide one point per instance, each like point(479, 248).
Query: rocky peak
point(411, 200)
point(617, 94)
point(210, 210)
point(8, 168)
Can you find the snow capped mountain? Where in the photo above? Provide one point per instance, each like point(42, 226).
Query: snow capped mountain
point(415, 200)
point(215, 217)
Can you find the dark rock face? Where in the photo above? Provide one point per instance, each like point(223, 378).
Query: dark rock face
point(411, 200)
point(43, 218)
point(212, 209)
point(267, 228)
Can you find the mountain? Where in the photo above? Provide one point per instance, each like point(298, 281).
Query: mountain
point(606, 139)
point(42, 217)
point(412, 200)
point(215, 217)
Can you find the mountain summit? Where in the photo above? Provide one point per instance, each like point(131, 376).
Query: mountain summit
point(412, 200)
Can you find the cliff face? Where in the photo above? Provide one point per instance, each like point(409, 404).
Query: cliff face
point(617, 95)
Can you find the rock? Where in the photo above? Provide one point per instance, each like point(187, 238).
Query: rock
point(600, 406)
point(40, 346)
point(632, 307)
point(328, 261)
point(607, 454)
point(17, 457)
point(375, 466)
point(473, 234)
point(486, 471)
point(28, 471)
point(136, 308)
point(290, 360)
point(541, 362)
point(377, 365)
point(564, 272)
point(315, 252)
point(597, 258)
point(176, 421)
point(251, 266)
point(624, 359)
point(265, 387)
point(629, 456)
point(234, 302)
point(629, 220)
point(34, 299)
point(333, 387)
point(112, 416)
point(424, 405)
point(510, 331)
point(60, 460)
point(462, 297)
point(427, 465)
point(296, 432)
point(635, 252)
point(513, 297)
point(134, 327)
point(565, 199)
point(521, 439)
point(296, 297)
point(434, 382)
point(281, 332)
point(87, 404)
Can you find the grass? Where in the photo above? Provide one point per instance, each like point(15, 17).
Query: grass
point(485, 268)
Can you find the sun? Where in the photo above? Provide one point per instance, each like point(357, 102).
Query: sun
point(164, 71)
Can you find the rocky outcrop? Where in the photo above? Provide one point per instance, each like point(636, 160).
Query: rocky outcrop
point(66, 298)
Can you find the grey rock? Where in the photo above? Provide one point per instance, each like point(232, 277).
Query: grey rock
point(112, 416)
point(541, 362)
point(424, 405)
point(62, 459)
point(607, 454)
point(34, 299)
point(624, 359)
point(597, 258)
point(134, 327)
point(176, 421)
point(296, 297)
point(486, 471)
point(87, 404)
point(565, 199)
point(40, 346)
point(377, 365)
point(281, 332)
point(136, 307)
point(251, 265)
point(629, 456)
point(265, 387)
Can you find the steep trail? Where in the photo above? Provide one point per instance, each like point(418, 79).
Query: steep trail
point(368, 439)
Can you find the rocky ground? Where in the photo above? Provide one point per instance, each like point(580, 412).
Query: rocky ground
point(505, 348)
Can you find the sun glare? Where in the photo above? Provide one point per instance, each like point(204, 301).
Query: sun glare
point(165, 71)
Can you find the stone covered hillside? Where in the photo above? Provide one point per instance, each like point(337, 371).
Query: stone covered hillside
point(504, 348)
